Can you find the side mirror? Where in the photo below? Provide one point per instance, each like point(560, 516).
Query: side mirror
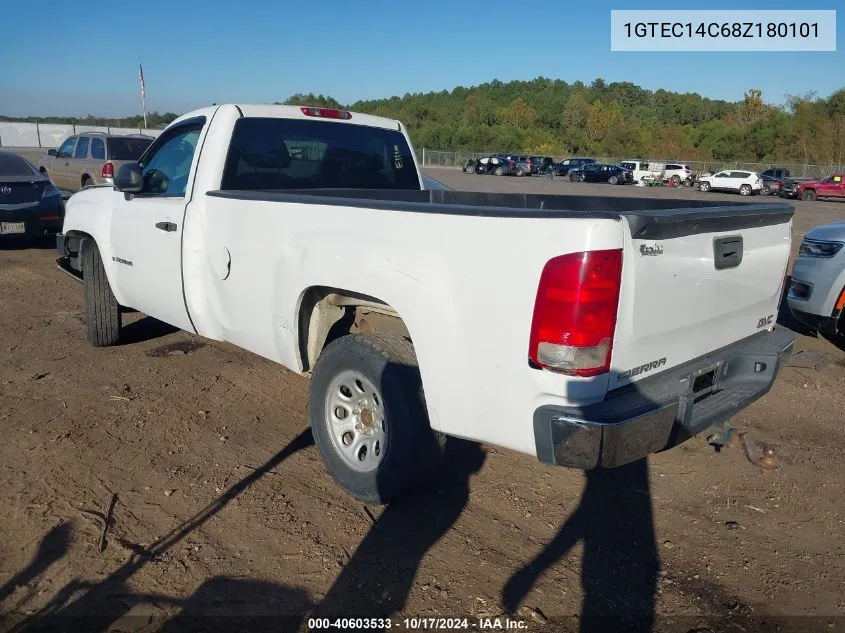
point(52, 152)
point(130, 178)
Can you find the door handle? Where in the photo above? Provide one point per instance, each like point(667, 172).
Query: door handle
point(166, 226)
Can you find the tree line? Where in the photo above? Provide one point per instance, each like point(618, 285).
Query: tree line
point(155, 120)
point(553, 117)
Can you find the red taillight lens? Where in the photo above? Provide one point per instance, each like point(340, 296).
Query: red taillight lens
point(575, 313)
point(778, 183)
point(326, 113)
point(108, 171)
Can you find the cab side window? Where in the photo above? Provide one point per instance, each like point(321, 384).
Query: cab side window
point(168, 165)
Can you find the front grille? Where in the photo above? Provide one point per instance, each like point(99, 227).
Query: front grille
point(20, 192)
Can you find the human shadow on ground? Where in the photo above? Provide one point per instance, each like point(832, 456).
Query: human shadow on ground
point(620, 565)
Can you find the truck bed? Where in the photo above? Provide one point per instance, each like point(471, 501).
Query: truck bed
point(648, 218)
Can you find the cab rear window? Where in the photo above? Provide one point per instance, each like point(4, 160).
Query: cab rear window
point(277, 154)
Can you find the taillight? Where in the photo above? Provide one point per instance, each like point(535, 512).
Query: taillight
point(778, 183)
point(575, 313)
point(108, 171)
point(326, 113)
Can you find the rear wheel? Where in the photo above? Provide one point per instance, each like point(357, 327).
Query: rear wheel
point(87, 182)
point(808, 195)
point(470, 169)
point(369, 418)
point(766, 190)
point(745, 190)
point(519, 172)
point(102, 312)
point(676, 179)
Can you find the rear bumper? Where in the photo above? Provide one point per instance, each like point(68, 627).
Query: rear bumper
point(39, 219)
point(662, 411)
point(817, 322)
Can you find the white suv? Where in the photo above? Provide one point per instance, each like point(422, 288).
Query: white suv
point(745, 182)
point(678, 173)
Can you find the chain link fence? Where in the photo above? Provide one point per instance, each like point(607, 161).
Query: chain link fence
point(457, 159)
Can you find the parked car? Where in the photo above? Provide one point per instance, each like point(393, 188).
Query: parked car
point(595, 368)
point(562, 168)
point(30, 206)
point(816, 294)
point(830, 187)
point(542, 163)
point(638, 168)
point(597, 172)
point(789, 188)
point(496, 165)
point(678, 173)
point(771, 185)
point(524, 164)
point(745, 182)
point(91, 158)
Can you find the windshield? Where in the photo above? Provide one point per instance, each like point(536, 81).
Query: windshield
point(127, 148)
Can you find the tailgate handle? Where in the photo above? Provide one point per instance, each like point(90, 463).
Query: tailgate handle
point(727, 252)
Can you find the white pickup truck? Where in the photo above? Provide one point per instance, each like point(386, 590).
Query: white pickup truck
point(587, 331)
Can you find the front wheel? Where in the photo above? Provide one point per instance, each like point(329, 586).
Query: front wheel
point(499, 171)
point(369, 418)
point(469, 169)
point(808, 195)
point(704, 186)
point(745, 190)
point(613, 180)
point(102, 312)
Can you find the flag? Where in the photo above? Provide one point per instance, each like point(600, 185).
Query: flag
point(141, 79)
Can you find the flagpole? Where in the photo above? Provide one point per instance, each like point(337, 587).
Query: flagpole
point(143, 91)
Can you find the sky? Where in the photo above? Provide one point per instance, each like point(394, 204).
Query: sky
point(80, 57)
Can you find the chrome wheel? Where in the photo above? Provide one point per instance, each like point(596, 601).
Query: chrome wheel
point(355, 421)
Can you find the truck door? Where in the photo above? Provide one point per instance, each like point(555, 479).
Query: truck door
point(147, 227)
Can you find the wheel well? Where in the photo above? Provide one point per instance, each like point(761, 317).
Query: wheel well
point(327, 313)
point(74, 248)
point(84, 178)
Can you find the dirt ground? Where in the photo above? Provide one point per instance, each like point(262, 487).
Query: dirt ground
point(224, 516)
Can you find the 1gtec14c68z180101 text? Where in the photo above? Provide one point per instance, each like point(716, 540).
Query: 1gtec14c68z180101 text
point(722, 30)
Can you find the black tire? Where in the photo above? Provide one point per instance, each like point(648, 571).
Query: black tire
point(766, 191)
point(87, 182)
point(613, 180)
point(470, 169)
point(704, 186)
point(809, 195)
point(745, 190)
point(676, 179)
point(413, 451)
point(499, 171)
point(102, 312)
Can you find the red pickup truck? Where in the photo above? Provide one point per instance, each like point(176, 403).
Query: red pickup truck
point(831, 187)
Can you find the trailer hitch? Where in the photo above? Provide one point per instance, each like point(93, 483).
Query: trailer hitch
point(758, 453)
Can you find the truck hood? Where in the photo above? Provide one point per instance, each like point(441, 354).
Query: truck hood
point(834, 232)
